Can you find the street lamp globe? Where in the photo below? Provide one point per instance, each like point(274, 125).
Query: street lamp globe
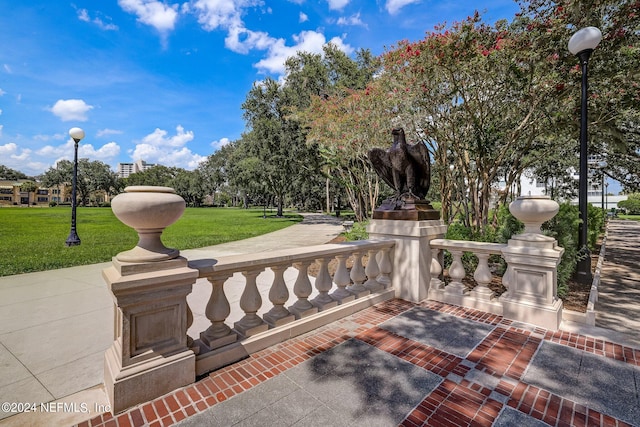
point(585, 39)
point(76, 133)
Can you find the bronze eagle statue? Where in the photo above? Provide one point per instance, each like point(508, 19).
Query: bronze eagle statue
point(405, 167)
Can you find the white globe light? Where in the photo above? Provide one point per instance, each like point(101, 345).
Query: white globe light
point(76, 133)
point(585, 39)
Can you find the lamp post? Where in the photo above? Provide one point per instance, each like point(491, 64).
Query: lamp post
point(582, 44)
point(606, 186)
point(77, 134)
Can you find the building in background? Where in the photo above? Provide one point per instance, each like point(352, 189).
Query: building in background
point(126, 169)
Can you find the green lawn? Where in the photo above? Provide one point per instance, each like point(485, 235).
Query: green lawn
point(32, 239)
point(633, 217)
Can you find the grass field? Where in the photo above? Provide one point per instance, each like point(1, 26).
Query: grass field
point(633, 217)
point(32, 239)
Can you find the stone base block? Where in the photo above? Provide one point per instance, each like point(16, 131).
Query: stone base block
point(220, 341)
point(250, 331)
point(547, 316)
point(142, 382)
point(342, 296)
point(324, 304)
point(275, 322)
point(302, 312)
point(359, 292)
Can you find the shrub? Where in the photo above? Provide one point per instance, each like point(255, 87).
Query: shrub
point(357, 232)
point(563, 227)
point(595, 224)
point(53, 204)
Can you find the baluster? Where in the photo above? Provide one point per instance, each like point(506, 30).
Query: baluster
point(436, 269)
point(323, 284)
point(342, 280)
point(483, 277)
point(217, 310)
point(250, 303)
point(456, 273)
point(358, 277)
point(385, 266)
point(278, 295)
point(372, 272)
point(302, 289)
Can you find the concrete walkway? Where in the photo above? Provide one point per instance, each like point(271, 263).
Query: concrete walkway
point(618, 306)
point(56, 325)
point(414, 364)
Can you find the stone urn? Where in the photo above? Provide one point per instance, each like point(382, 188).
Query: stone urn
point(148, 210)
point(533, 211)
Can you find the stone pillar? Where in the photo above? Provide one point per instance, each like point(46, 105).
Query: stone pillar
point(149, 356)
point(532, 266)
point(411, 255)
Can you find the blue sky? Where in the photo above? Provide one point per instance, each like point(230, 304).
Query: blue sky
point(164, 81)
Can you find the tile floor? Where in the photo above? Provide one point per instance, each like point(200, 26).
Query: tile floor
point(399, 363)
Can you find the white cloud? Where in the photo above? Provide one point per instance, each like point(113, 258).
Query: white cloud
point(159, 138)
point(7, 68)
point(157, 14)
point(303, 17)
point(351, 20)
point(108, 151)
point(71, 109)
point(158, 147)
point(225, 14)
point(2, 92)
point(216, 145)
point(242, 40)
point(104, 132)
point(393, 6)
point(307, 41)
point(8, 149)
point(83, 15)
point(337, 4)
point(1, 127)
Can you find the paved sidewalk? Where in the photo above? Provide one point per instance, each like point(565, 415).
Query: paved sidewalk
point(618, 306)
point(56, 325)
point(413, 364)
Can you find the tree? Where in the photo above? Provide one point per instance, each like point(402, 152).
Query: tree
point(29, 187)
point(190, 185)
point(157, 175)
point(325, 110)
point(614, 76)
point(276, 139)
point(92, 176)
point(11, 174)
point(632, 204)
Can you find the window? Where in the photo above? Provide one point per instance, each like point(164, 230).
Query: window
point(6, 191)
point(43, 199)
point(45, 192)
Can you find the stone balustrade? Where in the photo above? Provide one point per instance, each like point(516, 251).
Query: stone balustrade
point(153, 354)
point(327, 299)
point(480, 297)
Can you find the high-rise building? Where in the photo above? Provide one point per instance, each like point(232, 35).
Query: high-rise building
point(126, 169)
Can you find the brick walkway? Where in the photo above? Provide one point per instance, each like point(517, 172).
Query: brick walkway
point(413, 365)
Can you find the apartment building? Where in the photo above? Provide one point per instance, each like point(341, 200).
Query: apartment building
point(126, 169)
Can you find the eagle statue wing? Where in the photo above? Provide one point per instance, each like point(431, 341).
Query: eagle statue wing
point(381, 162)
point(421, 159)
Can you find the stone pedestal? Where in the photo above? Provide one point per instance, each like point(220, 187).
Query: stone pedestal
point(531, 280)
point(411, 255)
point(149, 356)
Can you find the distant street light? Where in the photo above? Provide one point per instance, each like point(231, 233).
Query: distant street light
point(582, 45)
point(77, 134)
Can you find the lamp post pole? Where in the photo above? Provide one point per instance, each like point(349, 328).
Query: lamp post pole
point(606, 186)
point(77, 134)
point(582, 44)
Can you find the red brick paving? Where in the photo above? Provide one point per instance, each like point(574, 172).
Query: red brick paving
point(504, 354)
